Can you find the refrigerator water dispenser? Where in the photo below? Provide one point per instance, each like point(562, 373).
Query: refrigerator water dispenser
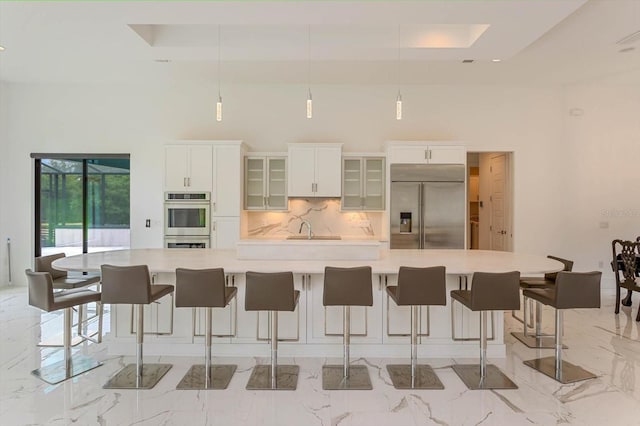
point(405, 222)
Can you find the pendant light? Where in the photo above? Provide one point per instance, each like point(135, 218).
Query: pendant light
point(399, 97)
point(309, 97)
point(219, 103)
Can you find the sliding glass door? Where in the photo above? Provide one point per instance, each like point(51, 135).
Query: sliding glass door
point(82, 203)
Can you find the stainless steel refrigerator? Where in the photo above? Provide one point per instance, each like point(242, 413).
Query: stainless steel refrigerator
point(427, 206)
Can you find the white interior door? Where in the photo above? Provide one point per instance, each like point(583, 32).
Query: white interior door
point(498, 229)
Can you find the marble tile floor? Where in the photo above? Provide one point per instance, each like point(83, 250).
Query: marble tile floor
point(598, 340)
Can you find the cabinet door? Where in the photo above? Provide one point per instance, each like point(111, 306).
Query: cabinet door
point(277, 183)
point(225, 232)
point(227, 181)
point(301, 171)
point(447, 155)
point(328, 165)
point(254, 183)
point(374, 183)
point(352, 184)
point(176, 160)
point(409, 154)
point(200, 166)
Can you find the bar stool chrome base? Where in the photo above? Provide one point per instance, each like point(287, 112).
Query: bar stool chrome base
point(127, 377)
point(58, 371)
point(541, 342)
point(286, 378)
point(425, 377)
point(195, 378)
point(494, 378)
point(333, 378)
point(569, 373)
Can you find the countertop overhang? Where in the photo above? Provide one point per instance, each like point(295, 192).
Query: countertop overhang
point(457, 262)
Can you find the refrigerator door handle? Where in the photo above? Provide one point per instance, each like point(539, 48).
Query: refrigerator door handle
point(421, 214)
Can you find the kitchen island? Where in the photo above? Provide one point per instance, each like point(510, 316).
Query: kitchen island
point(311, 330)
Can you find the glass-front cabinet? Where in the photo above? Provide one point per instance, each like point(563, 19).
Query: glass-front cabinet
point(265, 183)
point(363, 183)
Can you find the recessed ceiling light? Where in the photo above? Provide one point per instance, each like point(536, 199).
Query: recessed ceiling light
point(467, 61)
point(1, 48)
point(163, 61)
point(496, 60)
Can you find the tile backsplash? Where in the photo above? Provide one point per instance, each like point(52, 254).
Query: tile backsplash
point(324, 215)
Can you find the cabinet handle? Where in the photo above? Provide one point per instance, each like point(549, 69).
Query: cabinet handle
point(213, 225)
point(426, 154)
point(214, 206)
point(429, 154)
point(189, 181)
point(380, 282)
point(184, 181)
point(303, 275)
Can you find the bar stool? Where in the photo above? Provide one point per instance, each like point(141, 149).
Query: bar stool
point(489, 292)
point(62, 281)
point(204, 288)
point(347, 287)
point(538, 340)
point(272, 292)
point(417, 286)
point(41, 296)
point(573, 290)
point(132, 285)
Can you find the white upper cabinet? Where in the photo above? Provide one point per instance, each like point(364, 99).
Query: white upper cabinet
point(315, 170)
point(425, 153)
point(226, 195)
point(188, 168)
point(363, 183)
point(265, 182)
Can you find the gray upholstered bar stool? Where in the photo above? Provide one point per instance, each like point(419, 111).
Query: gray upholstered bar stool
point(132, 285)
point(272, 292)
point(573, 290)
point(489, 292)
point(62, 281)
point(41, 296)
point(538, 340)
point(417, 287)
point(204, 288)
point(347, 287)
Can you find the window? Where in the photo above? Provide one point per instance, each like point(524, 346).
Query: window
point(82, 203)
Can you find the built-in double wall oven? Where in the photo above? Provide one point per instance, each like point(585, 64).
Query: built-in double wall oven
point(187, 219)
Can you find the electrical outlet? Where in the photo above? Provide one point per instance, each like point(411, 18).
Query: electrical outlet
point(364, 223)
point(604, 225)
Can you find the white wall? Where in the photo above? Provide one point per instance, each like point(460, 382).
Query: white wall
point(528, 121)
point(4, 102)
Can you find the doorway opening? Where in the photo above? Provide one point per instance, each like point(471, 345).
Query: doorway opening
point(490, 198)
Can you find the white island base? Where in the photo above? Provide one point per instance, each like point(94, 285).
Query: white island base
point(311, 330)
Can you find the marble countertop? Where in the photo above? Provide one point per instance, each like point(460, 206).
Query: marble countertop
point(457, 262)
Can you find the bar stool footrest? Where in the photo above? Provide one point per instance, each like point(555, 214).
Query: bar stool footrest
point(195, 378)
point(126, 378)
point(333, 378)
point(543, 342)
point(494, 379)
point(57, 372)
point(569, 373)
point(425, 378)
point(286, 378)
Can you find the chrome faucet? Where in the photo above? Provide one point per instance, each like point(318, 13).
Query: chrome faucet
point(305, 222)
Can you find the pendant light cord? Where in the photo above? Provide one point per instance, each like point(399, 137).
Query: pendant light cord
point(309, 59)
point(219, 61)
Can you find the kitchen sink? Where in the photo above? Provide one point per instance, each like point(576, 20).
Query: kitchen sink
point(315, 237)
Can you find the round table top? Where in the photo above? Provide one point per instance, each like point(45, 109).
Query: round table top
point(457, 262)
